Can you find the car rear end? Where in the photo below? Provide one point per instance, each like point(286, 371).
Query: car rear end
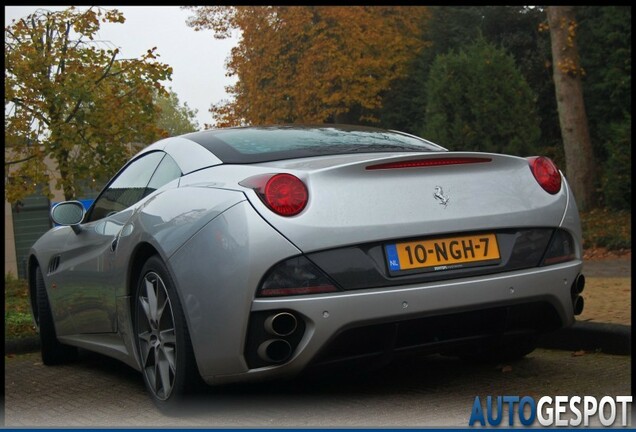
point(396, 251)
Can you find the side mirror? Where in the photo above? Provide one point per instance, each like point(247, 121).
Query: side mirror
point(68, 213)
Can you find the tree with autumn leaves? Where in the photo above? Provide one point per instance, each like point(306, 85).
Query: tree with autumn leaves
point(311, 64)
point(71, 99)
point(357, 64)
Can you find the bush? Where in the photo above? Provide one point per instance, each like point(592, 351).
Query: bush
point(478, 100)
point(18, 320)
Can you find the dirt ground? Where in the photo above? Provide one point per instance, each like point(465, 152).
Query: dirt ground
point(608, 288)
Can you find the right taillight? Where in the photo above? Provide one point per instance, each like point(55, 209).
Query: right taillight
point(546, 173)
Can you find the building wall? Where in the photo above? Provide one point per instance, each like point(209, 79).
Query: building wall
point(10, 257)
point(10, 260)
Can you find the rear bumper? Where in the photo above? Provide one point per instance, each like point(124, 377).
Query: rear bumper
point(326, 316)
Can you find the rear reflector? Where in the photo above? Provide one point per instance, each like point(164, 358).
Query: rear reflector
point(420, 163)
point(319, 289)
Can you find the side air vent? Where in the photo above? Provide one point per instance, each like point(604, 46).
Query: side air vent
point(54, 263)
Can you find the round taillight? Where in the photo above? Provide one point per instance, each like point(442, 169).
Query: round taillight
point(285, 194)
point(546, 173)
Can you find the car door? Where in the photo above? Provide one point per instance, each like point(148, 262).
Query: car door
point(88, 276)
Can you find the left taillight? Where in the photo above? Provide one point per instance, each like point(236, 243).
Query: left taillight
point(546, 173)
point(285, 194)
point(295, 276)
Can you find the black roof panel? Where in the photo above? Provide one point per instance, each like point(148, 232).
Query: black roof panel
point(269, 143)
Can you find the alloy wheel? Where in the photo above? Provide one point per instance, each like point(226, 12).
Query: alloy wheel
point(156, 335)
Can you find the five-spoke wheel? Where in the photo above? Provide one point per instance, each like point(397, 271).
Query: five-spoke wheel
point(163, 341)
point(156, 334)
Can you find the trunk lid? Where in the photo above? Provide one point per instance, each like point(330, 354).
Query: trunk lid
point(350, 204)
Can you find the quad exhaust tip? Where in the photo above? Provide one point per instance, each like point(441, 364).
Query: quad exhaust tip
point(275, 351)
point(577, 288)
point(578, 305)
point(580, 283)
point(281, 324)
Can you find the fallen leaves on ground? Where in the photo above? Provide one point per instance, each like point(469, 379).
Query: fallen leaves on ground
point(600, 253)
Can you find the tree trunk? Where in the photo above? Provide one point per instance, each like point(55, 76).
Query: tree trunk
point(569, 94)
point(66, 175)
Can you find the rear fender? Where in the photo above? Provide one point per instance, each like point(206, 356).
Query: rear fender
point(217, 272)
point(571, 220)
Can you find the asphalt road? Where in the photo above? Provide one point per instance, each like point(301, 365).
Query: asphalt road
point(416, 391)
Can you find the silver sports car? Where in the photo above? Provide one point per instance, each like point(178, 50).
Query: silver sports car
point(259, 252)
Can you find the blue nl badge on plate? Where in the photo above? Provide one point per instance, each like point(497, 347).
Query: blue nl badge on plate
point(392, 257)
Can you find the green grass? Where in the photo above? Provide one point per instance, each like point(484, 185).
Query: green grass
point(601, 228)
point(606, 228)
point(18, 321)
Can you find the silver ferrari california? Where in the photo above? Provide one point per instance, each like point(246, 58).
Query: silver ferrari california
point(259, 252)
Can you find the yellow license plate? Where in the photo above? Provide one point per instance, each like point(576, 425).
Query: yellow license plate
point(442, 253)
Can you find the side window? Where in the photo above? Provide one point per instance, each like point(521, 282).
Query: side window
point(167, 171)
point(128, 188)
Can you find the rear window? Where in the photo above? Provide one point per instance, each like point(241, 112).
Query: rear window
point(264, 144)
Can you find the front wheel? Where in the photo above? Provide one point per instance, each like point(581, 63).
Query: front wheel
point(163, 341)
point(53, 352)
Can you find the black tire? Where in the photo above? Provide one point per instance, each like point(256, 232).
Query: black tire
point(53, 352)
point(163, 341)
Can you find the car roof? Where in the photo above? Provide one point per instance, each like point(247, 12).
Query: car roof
point(255, 144)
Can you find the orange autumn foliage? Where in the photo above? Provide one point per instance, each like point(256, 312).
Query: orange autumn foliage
point(311, 64)
point(72, 99)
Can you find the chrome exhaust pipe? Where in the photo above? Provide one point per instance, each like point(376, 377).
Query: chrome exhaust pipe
point(275, 351)
point(577, 286)
point(281, 324)
point(578, 305)
point(580, 283)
